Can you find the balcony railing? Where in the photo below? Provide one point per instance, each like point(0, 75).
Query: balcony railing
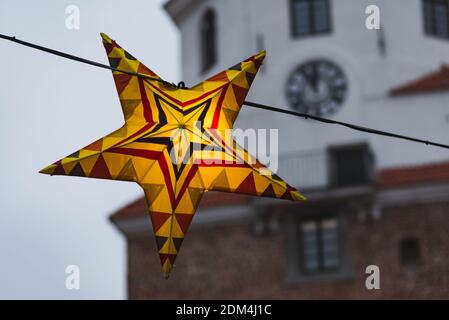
point(307, 169)
point(345, 166)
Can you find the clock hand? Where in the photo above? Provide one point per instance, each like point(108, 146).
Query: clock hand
point(314, 78)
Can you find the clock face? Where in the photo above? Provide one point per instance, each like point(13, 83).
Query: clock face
point(317, 88)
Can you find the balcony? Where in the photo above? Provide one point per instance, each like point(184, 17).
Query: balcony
point(333, 168)
point(307, 169)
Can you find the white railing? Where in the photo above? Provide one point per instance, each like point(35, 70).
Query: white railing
point(305, 169)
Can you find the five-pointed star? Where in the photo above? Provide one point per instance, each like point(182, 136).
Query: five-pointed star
point(176, 145)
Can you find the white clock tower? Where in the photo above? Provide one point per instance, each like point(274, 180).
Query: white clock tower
point(322, 59)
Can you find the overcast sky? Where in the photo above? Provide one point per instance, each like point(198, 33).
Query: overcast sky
point(51, 107)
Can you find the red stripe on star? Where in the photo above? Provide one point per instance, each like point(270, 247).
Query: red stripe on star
point(165, 171)
point(146, 104)
point(217, 111)
point(230, 165)
point(186, 103)
point(140, 131)
point(147, 154)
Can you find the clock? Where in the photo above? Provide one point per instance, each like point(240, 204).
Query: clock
point(317, 87)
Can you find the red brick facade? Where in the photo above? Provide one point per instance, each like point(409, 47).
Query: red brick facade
point(230, 260)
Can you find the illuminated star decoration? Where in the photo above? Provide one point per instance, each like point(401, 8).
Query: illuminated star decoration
point(171, 144)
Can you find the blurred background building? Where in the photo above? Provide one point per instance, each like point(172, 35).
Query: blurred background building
point(371, 200)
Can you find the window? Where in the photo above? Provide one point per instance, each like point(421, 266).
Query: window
point(310, 17)
point(208, 40)
point(409, 253)
point(436, 18)
point(351, 165)
point(319, 246)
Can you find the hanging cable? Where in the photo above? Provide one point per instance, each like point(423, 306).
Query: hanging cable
point(344, 124)
point(247, 103)
point(75, 58)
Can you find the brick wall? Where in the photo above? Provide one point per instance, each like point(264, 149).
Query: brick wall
point(232, 261)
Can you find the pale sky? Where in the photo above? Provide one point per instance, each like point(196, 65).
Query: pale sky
point(51, 107)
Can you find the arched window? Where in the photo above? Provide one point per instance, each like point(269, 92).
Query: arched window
point(208, 40)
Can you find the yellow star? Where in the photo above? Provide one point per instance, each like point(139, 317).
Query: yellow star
point(176, 145)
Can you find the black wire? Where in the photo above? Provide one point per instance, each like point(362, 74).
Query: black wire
point(247, 103)
point(75, 58)
point(345, 124)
